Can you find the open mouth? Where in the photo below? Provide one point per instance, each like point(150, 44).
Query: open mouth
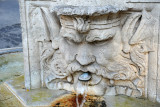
point(86, 76)
point(93, 82)
point(90, 78)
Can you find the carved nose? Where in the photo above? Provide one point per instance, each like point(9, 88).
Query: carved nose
point(85, 59)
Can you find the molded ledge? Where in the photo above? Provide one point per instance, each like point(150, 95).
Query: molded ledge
point(21, 97)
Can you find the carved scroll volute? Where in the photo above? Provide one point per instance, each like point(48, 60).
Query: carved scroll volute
point(138, 38)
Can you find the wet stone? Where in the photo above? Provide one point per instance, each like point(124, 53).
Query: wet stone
point(70, 101)
point(85, 76)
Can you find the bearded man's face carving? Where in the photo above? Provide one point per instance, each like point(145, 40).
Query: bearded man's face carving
point(90, 51)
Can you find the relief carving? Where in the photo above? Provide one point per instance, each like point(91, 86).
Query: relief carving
point(108, 52)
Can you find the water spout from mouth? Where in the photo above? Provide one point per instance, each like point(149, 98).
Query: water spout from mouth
point(81, 89)
point(86, 76)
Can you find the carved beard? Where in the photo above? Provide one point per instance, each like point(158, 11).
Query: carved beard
point(121, 70)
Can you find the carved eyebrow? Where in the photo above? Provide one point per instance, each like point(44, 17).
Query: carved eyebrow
point(72, 37)
point(99, 37)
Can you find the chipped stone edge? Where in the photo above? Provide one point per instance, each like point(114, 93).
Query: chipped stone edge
point(14, 93)
point(86, 10)
point(11, 50)
point(22, 5)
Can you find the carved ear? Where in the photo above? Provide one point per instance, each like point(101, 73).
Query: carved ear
point(52, 26)
point(138, 29)
point(127, 30)
point(145, 32)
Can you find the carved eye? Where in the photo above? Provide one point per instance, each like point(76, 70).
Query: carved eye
point(69, 41)
point(100, 42)
point(103, 42)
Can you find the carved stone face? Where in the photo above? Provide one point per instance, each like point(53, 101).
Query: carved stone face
point(97, 47)
point(85, 48)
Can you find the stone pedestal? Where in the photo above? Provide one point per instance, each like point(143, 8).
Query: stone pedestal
point(14, 94)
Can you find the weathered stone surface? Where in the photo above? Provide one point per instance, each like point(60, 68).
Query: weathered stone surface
point(11, 65)
point(7, 98)
point(14, 94)
point(116, 41)
point(14, 89)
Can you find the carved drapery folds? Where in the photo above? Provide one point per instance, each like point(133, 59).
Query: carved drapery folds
point(112, 47)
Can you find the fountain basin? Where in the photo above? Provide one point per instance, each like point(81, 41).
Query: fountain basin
point(13, 92)
point(11, 65)
point(52, 98)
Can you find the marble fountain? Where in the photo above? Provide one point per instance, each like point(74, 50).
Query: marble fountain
point(88, 53)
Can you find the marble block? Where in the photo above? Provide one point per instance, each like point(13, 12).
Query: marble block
point(22, 97)
point(116, 42)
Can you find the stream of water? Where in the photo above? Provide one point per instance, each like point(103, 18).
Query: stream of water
point(81, 88)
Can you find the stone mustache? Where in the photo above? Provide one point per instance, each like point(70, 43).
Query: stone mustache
point(111, 48)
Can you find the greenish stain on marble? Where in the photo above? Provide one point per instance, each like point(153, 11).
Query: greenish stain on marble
point(7, 99)
point(11, 65)
point(3, 61)
point(40, 96)
point(18, 80)
point(124, 101)
point(124, 104)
